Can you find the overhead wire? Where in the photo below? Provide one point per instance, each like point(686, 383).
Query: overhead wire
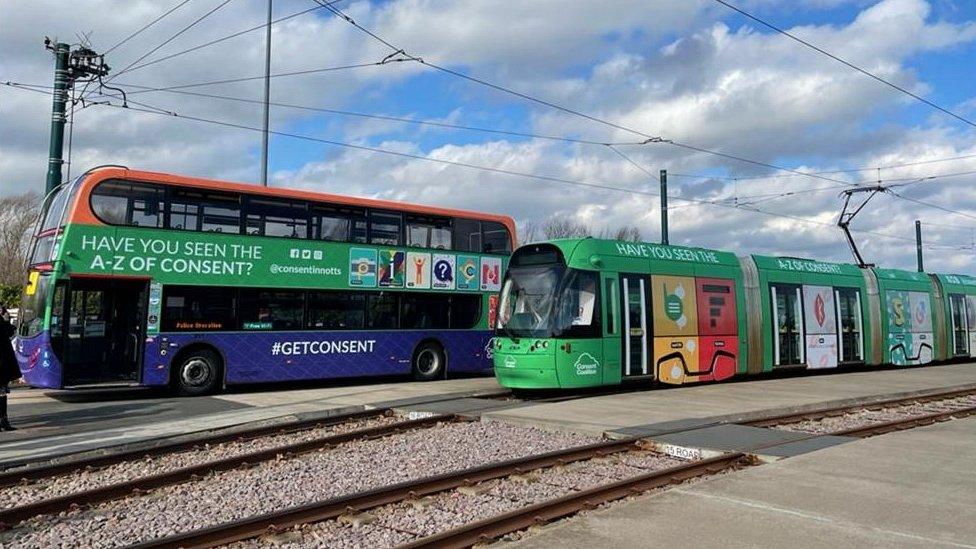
point(554, 179)
point(228, 37)
point(170, 39)
point(845, 62)
point(146, 26)
point(648, 137)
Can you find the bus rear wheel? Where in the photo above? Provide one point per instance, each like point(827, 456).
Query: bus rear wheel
point(429, 362)
point(198, 373)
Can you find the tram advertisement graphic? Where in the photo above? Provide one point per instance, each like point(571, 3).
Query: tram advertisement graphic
point(201, 258)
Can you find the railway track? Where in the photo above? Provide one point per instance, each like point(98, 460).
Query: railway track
point(142, 484)
point(819, 413)
point(290, 519)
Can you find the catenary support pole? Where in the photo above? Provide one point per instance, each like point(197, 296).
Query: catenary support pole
point(918, 244)
point(664, 207)
point(61, 83)
point(267, 98)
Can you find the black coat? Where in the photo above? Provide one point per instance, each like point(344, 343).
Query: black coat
point(9, 370)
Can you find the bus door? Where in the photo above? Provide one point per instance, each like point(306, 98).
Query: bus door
point(634, 298)
point(104, 330)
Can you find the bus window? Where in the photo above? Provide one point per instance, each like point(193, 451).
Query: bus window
point(496, 240)
point(198, 308)
point(339, 224)
point(428, 232)
point(381, 311)
point(384, 228)
point(336, 311)
point(127, 203)
point(465, 311)
point(272, 310)
point(221, 214)
point(184, 210)
point(467, 235)
point(33, 304)
point(425, 311)
point(277, 218)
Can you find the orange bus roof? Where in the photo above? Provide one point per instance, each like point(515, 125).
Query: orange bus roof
point(80, 211)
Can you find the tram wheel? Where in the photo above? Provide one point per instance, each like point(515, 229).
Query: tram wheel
point(198, 373)
point(429, 362)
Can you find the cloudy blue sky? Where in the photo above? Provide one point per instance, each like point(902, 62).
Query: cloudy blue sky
point(691, 71)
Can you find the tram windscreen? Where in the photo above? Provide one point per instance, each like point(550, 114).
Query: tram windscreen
point(548, 301)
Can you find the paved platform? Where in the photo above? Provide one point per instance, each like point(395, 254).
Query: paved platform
point(646, 413)
point(914, 488)
point(57, 423)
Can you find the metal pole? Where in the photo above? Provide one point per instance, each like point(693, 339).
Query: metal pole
point(267, 98)
point(61, 82)
point(918, 244)
point(664, 207)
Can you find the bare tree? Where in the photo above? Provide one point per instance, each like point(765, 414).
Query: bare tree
point(628, 233)
point(561, 227)
point(17, 216)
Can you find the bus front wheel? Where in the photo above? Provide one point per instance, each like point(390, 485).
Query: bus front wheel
point(198, 373)
point(429, 362)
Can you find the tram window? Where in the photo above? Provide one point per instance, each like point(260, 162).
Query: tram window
point(339, 224)
point(850, 324)
point(382, 311)
point(428, 232)
point(577, 309)
point(467, 235)
point(272, 310)
point(960, 335)
point(384, 228)
point(496, 240)
point(127, 203)
point(787, 324)
point(277, 218)
point(465, 311)
point(336, 311)
point(611, 298)
point(425, 311)
point(198, 308)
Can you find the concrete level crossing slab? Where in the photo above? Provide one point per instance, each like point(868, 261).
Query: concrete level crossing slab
point(646, 413)
point(717, 439)
point(913, 488)
point(54, 424)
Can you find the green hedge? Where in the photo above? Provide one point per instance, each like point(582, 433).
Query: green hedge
point(10, 295)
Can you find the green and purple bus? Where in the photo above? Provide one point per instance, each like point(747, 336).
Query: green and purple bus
point(140, 278)
point(588, 312)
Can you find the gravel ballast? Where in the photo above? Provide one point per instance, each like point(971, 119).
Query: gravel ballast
point(866, 418)
point(272, 486)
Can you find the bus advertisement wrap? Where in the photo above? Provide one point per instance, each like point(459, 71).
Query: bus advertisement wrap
point(176, 257)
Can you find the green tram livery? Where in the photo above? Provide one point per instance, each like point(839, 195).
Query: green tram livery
point(587, 312)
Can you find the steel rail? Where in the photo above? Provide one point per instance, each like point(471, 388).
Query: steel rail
point(278, 521)
point(546, 511)
point(905, 423)
point(12, 516)
point(820, 413)
point(20, 476)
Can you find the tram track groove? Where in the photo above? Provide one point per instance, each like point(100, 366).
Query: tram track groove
point(138, 486)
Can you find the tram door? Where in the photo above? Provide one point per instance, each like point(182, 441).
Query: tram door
point(103, 330)
point(635, 295)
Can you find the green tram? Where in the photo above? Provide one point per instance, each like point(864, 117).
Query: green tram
point(588, 312)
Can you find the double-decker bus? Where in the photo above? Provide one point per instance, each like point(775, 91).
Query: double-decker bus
point(140, 278)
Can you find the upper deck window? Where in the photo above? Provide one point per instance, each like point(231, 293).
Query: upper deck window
point(467, 235)
point(283, 218)
point(428, 232)
point(496, 239)
point(384, 228)
point(339, 224)
point(128, 203)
